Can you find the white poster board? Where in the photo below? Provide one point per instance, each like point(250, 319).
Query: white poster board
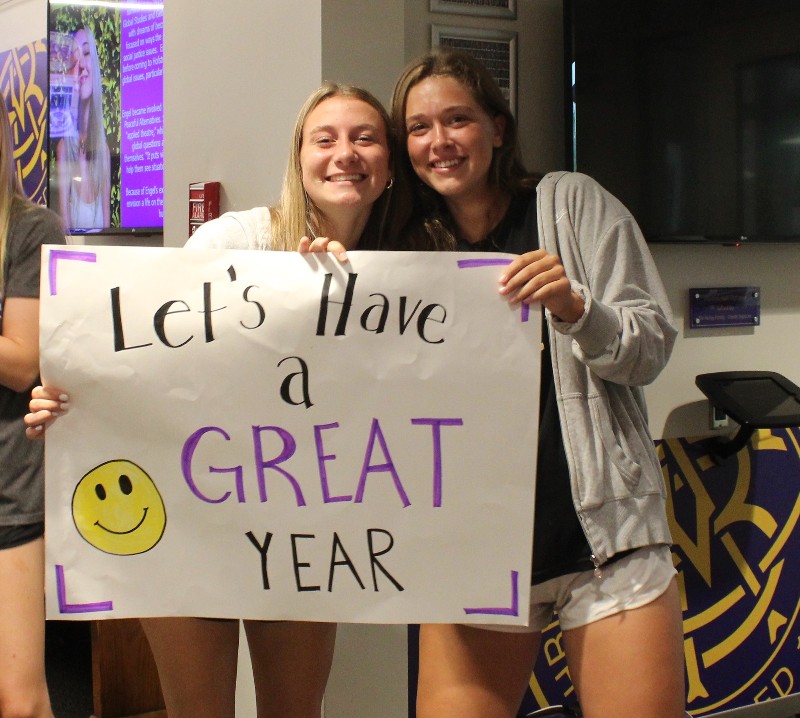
point(279, 436)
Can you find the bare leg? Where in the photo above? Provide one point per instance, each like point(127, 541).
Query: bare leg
point(196, 661)
point(23, 687)
point(291, 662)
point(631, 663)
point(467, 672)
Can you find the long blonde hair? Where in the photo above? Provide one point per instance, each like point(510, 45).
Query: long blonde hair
point(96, 141)
point(296, 215)
point(11, 191)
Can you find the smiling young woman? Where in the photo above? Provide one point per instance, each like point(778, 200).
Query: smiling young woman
point(82, 180)
point(340, 186)
point(601, 557)
point(451, 142)
point(344, 158)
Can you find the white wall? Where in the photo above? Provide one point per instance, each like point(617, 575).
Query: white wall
point(540, 52)
point(362, 44)
point(677, 407)
point(21, 22)
point(235, 75)
point(369, 678)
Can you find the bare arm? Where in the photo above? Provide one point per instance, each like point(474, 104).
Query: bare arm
point(19, 343)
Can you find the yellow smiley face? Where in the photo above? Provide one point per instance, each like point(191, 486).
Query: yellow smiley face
point(117, 508)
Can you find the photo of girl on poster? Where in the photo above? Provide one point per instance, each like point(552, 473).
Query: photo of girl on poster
point(84, 122)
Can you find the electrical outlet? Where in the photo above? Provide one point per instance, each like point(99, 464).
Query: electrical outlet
point(718, 418)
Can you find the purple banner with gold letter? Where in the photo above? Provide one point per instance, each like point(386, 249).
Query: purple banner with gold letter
point(737, 552)
point(23, 84)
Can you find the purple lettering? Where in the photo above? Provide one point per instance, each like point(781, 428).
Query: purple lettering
point(289, 447)
point(436, 425)
point(322, 457)
point(388, 466)
point(187, 455)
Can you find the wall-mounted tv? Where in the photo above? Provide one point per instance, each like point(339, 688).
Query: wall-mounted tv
point(106, 166)
point(689, 111)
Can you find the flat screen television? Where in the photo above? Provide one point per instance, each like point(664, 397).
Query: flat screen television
point(106, 166)
point(689, 112)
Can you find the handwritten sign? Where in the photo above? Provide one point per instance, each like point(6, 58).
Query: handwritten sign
point(271, 435)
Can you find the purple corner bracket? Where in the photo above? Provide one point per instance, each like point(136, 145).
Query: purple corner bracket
point(56, 255)
point(525, 310)
point(513, 610)
point(469, 263)
point(64, 607)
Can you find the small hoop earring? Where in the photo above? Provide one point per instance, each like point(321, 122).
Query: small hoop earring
point(390, 183)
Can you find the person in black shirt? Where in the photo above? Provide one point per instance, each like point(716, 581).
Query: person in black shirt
point(601, 557)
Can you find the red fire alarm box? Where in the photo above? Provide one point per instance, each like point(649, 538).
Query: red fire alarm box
point(203, 203)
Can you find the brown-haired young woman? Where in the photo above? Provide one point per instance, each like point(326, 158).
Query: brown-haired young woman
point(601, 557)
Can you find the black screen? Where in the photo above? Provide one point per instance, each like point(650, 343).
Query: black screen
point(689, 112)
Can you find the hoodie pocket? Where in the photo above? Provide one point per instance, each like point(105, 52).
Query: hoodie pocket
point(609, 450)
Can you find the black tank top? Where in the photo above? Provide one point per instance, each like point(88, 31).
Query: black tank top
point(559, 543)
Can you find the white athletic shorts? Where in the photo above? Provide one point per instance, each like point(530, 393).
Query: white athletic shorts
point(582, 598)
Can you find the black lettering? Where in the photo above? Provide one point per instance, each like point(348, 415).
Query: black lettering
point(286, 384)
point(382, 308)
point(262, 315)
point(116, 316)
point(373, 558)
point(346, 304)
point(207, 311)
point(424, 316)
point(262, 549)
point(337, 546)
point(159, 319)
point(298, 564)
point(403, 321)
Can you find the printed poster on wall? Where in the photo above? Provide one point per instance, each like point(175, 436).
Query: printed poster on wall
point(278, 436)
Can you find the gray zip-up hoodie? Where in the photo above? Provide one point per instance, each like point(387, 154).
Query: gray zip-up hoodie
point(622, 342)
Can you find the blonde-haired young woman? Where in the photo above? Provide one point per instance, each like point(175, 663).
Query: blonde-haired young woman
point(340, 185)
point(83, 160)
